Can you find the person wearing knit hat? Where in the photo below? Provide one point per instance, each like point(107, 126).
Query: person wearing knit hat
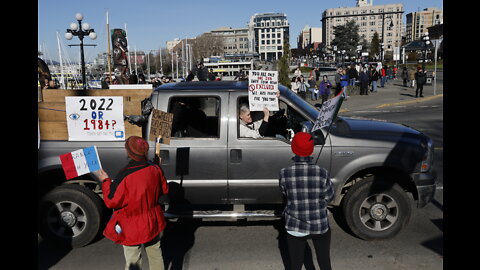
point(308, 190)
point(138, 219)
point(302, 144)
point(137, 148)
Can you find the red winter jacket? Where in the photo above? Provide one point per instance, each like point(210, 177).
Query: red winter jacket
point(134, 196)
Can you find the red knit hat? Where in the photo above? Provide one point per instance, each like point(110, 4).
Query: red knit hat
point(137, 148)
point(302, 144)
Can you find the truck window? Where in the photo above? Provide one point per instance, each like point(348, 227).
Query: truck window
point(196, 117)
point(279, 123)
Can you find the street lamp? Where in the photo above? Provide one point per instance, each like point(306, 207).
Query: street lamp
point(81, 30)
point(426, 42)
point(383, 33)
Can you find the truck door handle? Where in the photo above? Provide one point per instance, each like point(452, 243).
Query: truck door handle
point(235, 155)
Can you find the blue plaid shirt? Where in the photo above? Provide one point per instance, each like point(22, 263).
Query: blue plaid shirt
point(308, 189)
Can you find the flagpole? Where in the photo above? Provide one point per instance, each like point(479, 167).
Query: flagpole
point(108, 53)
point(331, 123)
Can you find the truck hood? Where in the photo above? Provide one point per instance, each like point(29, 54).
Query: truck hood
point(376, 130)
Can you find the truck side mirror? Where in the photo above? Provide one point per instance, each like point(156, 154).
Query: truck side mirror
point(318, 137)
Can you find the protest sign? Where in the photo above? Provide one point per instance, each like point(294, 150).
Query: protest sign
point(80, 162)
point(328, 111)
point(95, 118)
point(262, 90)
point(161, 125)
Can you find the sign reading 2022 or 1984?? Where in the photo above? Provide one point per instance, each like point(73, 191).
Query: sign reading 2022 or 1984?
point(92, 118)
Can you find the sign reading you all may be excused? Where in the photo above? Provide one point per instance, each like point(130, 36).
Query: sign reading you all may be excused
point(262, 90)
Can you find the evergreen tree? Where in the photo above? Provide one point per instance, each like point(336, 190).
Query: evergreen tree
point(283, 68)
point(374, 46)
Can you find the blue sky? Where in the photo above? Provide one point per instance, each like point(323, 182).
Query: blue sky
point(151, 23)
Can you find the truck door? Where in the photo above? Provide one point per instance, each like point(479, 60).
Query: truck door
point(254, 164)
point(195, 162)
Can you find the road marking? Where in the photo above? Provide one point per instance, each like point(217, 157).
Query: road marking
point(409, 101)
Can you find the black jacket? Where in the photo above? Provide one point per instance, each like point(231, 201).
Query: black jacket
point(420, 77)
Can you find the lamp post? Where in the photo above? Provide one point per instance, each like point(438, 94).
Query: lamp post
point(383, 33)
point(426, 42)
point(81, 30)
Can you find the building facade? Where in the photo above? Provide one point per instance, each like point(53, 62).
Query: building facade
point(418, 22)
point(267, 34)
point(235, 40)
point(309, 36)
point(386, 19)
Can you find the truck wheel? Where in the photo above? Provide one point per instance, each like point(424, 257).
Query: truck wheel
point(70, 215)
point(376, 209)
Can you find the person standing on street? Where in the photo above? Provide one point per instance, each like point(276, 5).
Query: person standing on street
point(421, 78)
point(302, 87)
point(405, 76)
point(137, 220)
point(363, 78)
point(344, 83)
point(324, 87)
point(412, 77)
point(373, 79)
point(383, 78)
point(308, 190)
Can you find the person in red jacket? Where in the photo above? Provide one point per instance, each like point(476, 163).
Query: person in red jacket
point(138, 219)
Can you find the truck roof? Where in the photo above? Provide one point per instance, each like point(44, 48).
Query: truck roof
point(210, 86)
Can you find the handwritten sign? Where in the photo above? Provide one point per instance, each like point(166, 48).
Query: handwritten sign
point(262, 90)
point(328, 111)
point(161, 125)
point(95, 118)
point(80, 162)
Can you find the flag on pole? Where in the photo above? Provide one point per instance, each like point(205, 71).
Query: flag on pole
point(328, 111)
point(80, 162)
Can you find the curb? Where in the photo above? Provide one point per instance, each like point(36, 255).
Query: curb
point(418, 100)
point(408, 101)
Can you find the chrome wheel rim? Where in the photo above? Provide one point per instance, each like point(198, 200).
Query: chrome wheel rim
point(379, 212)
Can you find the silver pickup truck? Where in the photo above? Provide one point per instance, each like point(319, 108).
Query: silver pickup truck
point(377, 168)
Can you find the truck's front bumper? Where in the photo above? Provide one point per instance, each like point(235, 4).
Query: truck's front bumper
point(426, 184)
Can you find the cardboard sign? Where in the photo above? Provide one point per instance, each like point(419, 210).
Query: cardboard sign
point(95, 118)
point(161, 125)
point(80, 162)
point(328, 111)
point(262, 90)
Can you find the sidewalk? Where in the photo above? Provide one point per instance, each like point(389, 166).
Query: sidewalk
point(394, 94)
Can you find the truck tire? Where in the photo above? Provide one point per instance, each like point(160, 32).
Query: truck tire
point(374, 209)
point(70, 215)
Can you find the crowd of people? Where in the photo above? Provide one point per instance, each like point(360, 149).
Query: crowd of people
point(368, 78)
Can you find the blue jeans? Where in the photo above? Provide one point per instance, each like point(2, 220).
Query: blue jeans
point(374, 86)
point(384, 80)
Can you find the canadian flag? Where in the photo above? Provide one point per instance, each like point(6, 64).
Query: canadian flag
point(80, 162)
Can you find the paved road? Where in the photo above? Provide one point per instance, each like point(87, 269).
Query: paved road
point(192, 244)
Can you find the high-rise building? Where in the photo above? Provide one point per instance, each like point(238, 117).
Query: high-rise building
point(267, 33)
point(386, 19)
point(418, 22)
